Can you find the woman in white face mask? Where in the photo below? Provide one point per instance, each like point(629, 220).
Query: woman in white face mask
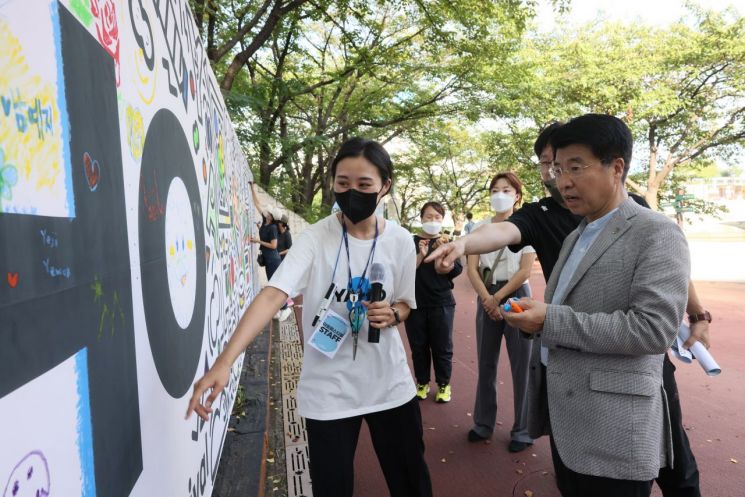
point(430, 326)
point(497, 276)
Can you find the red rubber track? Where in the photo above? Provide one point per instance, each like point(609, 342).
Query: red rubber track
point(713, 414)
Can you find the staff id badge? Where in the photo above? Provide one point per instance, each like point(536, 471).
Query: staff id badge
point(330, 334)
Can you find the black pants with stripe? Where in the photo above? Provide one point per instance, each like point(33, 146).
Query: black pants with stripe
point(682, 479)
point(397, 437)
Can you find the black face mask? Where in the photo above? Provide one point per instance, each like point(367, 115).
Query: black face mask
point(554, 191)
point(356, 205)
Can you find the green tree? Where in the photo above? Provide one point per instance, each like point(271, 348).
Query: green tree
point(409, 193)
point(696, 109)
point(681, 89)
point(299, 83)
point(453, 162)
point(238, 31)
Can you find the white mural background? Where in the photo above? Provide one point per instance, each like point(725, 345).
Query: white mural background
point(159, 69)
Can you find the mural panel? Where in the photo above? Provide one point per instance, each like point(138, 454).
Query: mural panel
point(125, 212)
point(34, 130)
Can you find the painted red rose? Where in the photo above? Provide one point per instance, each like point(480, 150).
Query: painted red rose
point(107, 28)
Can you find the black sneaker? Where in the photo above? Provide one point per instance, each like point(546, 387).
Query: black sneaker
point(516, 446)
point(475, 437)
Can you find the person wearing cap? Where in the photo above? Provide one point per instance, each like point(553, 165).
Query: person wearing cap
point(267, 239)
point(284, 242)
point(284, 238)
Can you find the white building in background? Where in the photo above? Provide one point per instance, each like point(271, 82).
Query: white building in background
point(718, 189)
point(726, 191)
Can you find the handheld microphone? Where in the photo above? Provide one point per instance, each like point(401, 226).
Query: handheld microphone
point(377, 275)
point(324, 304)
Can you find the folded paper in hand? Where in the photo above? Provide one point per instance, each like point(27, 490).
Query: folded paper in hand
point(697, 351)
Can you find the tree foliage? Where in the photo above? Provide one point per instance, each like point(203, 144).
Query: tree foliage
point(453, 163)
point(335, 69)
point(466, 85)
point(681, 89)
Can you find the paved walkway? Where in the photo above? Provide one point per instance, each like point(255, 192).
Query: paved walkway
point(713, 408)
point(713, 411)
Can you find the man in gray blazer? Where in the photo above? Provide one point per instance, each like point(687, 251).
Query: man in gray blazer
point(614, 304)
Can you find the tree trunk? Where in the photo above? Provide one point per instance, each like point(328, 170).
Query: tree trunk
point(654, 185)
point(651, 196)
point(211, 26)
point(265, 171)
point(459, 221)
point(327, 185)
point(305, 182)
point(403, 216)
point(286, 163)
point(199, 15)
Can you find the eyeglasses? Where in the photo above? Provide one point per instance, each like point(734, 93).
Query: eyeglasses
point(573, 171)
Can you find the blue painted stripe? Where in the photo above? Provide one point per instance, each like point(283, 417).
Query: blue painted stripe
point(85, 430)
point(62, 106)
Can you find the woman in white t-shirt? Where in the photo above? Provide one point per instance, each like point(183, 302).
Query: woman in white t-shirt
point(497, 276)
point(356, 272)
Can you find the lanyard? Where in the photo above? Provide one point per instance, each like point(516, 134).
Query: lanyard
point(357, 312)
point(344, 240)
point(349, 262)
point(338, 252)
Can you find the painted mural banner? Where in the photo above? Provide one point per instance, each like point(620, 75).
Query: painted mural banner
point(125, 262)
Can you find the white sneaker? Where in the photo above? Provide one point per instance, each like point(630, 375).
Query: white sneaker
point(284, 313)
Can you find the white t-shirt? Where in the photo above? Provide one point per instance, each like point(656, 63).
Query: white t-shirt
point(379, 378)
point(509, 262)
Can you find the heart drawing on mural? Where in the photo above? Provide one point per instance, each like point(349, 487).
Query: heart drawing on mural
point(92, 171)
point(12, 279)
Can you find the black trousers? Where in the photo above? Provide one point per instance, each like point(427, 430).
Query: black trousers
point(682, 480)
point(573, 484)
point(272, 262)
point(430, 333)
point(397, 438)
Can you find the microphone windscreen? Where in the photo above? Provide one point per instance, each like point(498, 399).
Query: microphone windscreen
point(377, 273)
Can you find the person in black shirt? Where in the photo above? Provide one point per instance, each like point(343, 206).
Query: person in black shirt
point(544, 225)
point(430, 326)
point(267, 241)
point(284, 238)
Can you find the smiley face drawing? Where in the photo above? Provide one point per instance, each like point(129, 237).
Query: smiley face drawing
point(30, 477)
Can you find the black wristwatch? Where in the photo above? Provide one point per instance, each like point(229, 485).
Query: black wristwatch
point(396, 315)
point(695, 318)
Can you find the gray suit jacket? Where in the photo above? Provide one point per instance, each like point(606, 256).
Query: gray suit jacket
point(620, 314)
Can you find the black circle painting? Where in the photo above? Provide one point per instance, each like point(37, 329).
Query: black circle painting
point(172, 261)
